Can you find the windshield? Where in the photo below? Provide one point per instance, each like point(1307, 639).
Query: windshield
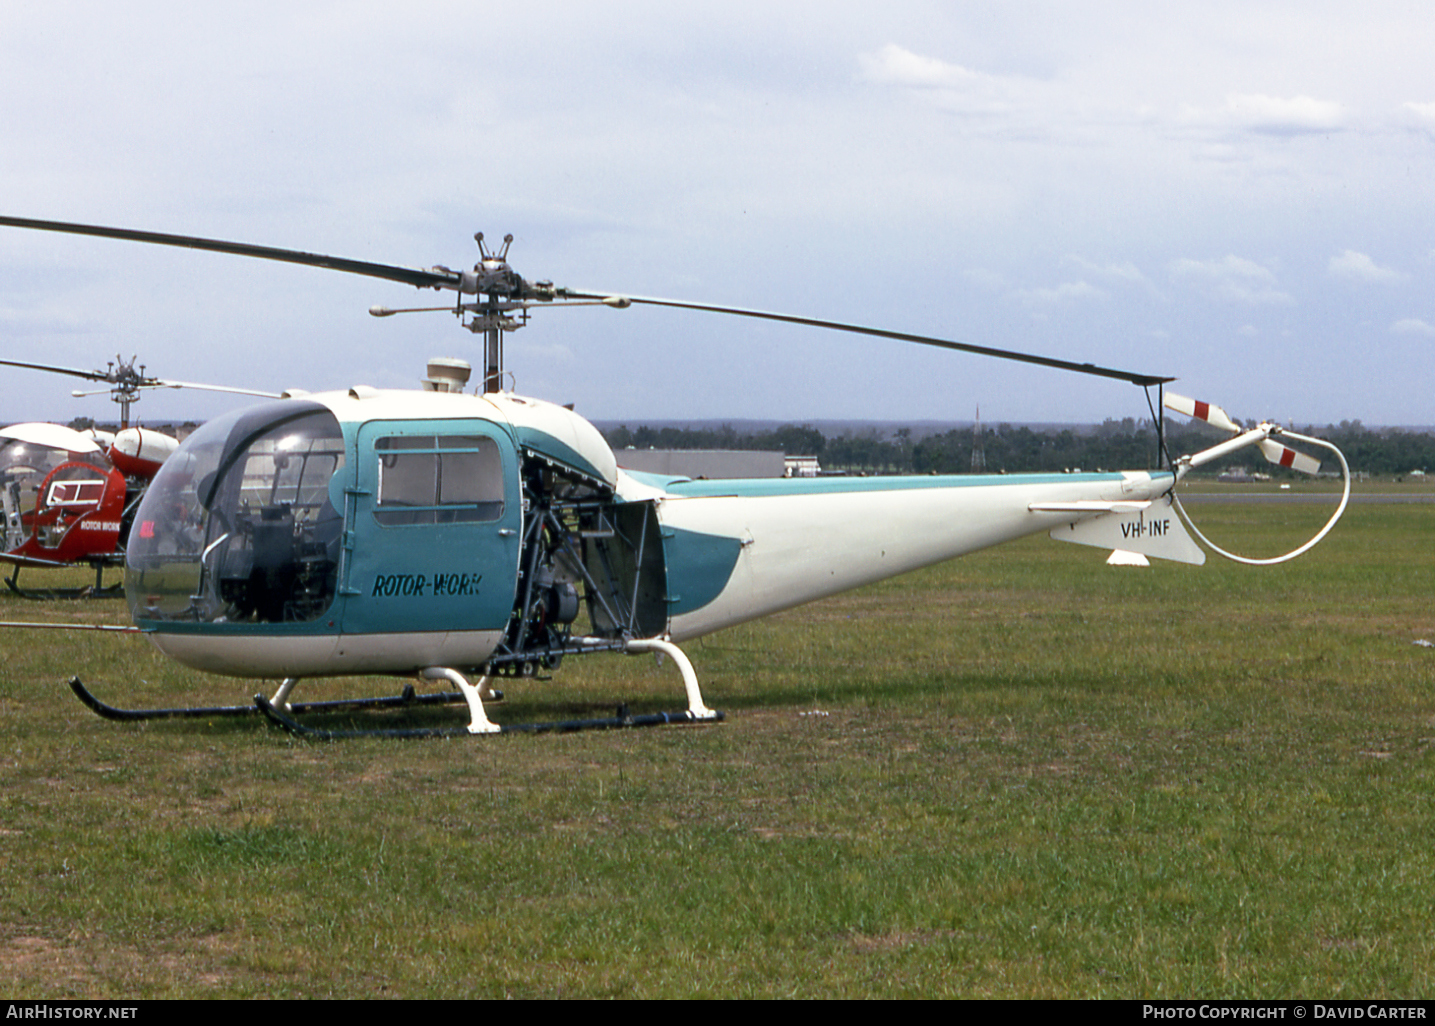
point(238, 525)
point(25, 467)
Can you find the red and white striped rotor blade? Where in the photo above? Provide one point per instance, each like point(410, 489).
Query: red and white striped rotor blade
point(1287, 457)
point(1208, 412)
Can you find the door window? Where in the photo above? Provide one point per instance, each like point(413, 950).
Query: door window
point(438, 479)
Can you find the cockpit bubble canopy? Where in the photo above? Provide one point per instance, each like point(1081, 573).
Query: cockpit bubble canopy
point(241, 523)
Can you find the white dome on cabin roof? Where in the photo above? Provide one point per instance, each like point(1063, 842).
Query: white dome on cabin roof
point(50, 436)
point(558, 433)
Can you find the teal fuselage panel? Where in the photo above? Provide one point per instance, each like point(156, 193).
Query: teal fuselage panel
point(699, 567)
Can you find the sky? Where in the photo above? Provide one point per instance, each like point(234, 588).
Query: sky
point(1236, 195)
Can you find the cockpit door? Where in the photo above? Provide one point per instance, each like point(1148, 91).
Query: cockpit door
point(434, 525)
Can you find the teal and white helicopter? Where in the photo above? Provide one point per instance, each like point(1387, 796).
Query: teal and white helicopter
point(466, 538)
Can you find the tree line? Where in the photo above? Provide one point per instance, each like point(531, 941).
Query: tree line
point(1128, 444)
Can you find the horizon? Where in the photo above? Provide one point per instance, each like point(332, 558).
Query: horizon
point(606, 424)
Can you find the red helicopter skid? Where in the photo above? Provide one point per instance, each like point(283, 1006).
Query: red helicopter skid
point(96, 590)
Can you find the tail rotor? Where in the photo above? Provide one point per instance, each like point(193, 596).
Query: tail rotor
point(1273, 451)
point(1263, 437)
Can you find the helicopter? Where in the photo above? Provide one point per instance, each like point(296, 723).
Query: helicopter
point(68, 496)
point(473, 538)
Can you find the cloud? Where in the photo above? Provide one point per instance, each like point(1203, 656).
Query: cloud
point(1268, 115)
point(1412, 326)
point(1125, 273)
point(952, 87)
point(893, 65)
point(1274, 115)
point(1233, 279)
point(1420, 117)
point(1359, 267)
point(1062, 293)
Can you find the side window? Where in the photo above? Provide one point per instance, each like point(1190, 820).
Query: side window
point(76, 485)
point(439, 479)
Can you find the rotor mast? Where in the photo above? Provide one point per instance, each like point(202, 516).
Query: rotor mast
point(490, 316)
point(127, 388)
point(493, 359)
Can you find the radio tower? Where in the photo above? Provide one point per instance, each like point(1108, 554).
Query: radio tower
point(979, 454)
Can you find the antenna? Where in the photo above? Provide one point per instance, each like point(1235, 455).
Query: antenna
point(979, 453)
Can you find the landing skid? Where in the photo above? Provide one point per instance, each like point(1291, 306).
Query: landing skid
point(90, 591)
point(620, 719)
point(279, 711)
point(408, 698)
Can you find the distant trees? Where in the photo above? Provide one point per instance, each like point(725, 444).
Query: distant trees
point(1385, 451)
point(1128, 444)
point(791, 439)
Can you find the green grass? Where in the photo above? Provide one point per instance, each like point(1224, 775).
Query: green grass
point(1019, 774)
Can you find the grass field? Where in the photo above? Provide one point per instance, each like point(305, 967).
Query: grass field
point(1021, 774)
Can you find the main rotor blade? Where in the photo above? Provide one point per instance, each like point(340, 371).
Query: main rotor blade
point(407, 275)
point(138, 382)
point(164, 383)
point(926, 340)
point(441, 278)
point(74, 371)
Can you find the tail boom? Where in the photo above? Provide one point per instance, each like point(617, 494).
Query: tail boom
point(807, 540)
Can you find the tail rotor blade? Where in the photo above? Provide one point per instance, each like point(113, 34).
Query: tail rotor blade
point(1208, 412)
point(1284, 456)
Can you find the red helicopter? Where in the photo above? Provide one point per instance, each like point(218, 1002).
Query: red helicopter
point(68, 496)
